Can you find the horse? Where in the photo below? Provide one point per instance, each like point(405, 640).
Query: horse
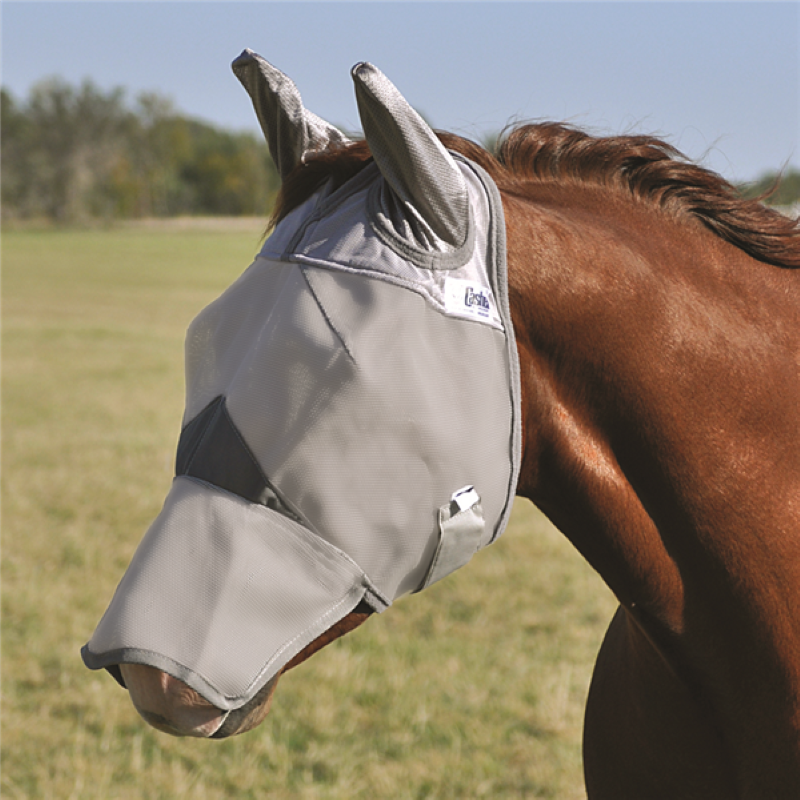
point(656, 320)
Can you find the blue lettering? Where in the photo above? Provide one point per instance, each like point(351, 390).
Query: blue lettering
point(472, 298)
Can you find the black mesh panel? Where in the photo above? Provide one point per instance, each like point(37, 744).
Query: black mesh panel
point(212, 449)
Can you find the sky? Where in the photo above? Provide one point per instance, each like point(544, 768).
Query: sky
point(719, 80)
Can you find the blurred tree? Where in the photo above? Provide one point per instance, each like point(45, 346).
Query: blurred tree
point(142, 181)
point(74, 138)
point(783, 188)
point(70, 154)
point(489, 141)
point(13, 152)
point(227, 173)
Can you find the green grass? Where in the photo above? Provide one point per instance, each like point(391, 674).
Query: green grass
point(474, 688)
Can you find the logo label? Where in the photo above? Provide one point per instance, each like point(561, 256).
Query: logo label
point(469, 299)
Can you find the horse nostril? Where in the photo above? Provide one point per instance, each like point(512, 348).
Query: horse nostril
point(158, 722)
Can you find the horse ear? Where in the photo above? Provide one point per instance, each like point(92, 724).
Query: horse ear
point(410, 157)
point(291, 131)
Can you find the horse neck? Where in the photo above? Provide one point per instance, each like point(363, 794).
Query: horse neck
point(660, 385)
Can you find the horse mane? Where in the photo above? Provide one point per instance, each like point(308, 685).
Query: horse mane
point(647, 169)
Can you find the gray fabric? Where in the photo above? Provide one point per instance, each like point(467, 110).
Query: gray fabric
point(363, 408)
point(421, 175)
point(340, 396)
point(291, 131)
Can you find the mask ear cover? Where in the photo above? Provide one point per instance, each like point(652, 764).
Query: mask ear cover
point(292, 132)
point(421, 173)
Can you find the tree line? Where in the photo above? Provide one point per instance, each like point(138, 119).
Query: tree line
point(71, 154)
point(782, 189)
point(75, 153)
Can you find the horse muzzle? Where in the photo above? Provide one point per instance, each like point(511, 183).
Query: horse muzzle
point(172, 707)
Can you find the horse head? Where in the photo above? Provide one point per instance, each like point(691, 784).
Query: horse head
point(352, 428)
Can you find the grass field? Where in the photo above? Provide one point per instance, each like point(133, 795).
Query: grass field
point(474, 688)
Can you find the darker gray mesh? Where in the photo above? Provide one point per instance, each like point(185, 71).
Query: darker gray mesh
point(290, 129)
point(427, 187)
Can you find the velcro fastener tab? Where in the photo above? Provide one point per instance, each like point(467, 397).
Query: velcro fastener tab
point(461, 526)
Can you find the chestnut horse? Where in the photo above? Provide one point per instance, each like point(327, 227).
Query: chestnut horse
point(657, 321)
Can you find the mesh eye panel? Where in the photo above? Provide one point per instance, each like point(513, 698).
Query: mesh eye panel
point(211, 449)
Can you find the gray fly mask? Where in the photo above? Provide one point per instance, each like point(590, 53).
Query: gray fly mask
point(352, 424)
